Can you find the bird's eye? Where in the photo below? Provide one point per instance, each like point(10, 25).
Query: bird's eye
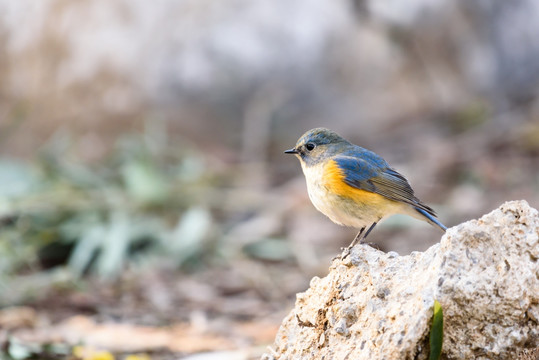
point(309, 146)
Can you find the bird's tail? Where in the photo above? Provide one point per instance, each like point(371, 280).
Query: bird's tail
point(431, 217)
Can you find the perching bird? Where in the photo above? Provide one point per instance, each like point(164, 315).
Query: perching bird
point(354, 186)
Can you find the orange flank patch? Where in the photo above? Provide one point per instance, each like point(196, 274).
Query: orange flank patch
point(334, 181)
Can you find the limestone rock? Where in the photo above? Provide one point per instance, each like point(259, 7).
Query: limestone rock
point(372, 305)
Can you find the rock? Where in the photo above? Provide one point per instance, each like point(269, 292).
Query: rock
point(372, 305)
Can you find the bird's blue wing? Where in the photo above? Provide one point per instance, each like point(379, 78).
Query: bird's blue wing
point(370, 172)
point(357, 172)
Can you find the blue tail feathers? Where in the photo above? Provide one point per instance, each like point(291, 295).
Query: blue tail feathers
point(431, 218)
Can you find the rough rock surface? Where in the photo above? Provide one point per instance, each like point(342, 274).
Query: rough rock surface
point(372, 305)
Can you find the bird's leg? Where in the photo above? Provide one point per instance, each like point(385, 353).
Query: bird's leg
point(346, 251)
point(360, 238)
point(368, 232)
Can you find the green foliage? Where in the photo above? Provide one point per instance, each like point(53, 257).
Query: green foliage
point(145, 199)
point(436, 337)
point(270, 250)
point(470, 116)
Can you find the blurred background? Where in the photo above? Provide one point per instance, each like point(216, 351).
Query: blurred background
point(146, 207)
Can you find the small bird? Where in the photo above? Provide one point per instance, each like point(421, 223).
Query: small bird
point(354, 186)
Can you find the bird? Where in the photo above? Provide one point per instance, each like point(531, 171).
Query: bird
point(354, 186)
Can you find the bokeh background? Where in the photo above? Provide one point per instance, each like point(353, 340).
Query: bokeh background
point(146, 206)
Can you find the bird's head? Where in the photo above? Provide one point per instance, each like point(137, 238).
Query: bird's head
point(317, 145)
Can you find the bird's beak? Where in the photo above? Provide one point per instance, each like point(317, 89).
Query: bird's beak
point(291, 151)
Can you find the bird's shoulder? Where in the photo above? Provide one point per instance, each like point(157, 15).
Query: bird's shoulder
point(360, 164)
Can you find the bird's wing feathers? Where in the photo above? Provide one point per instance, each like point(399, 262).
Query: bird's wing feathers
point(357, 172)
point(372, 173)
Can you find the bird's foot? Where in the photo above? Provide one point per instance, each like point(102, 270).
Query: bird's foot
point(344, 254)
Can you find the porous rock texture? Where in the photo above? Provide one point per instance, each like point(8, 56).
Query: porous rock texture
point(373, 305)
